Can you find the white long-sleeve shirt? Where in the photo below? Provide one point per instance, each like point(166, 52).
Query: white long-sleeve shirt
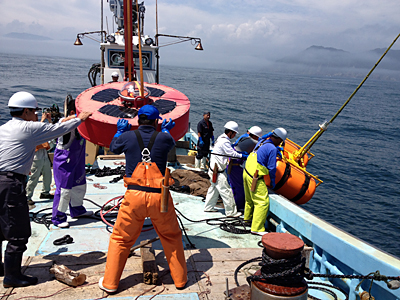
point(222, 146)
point(19, 138)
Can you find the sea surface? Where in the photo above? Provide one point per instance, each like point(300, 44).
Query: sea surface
point(358, 157)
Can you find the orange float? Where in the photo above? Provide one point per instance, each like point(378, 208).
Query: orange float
point(292, 183)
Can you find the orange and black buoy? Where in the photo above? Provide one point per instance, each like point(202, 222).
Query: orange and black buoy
point(281, 252)
point(292, 183)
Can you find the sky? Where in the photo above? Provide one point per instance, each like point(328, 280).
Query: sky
point(235, 34)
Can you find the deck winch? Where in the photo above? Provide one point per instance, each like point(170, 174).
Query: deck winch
point(281, 274)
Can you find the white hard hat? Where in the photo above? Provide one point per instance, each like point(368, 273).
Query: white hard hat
point(256, 131)
point(232, 125)
point(22, 100)
point(280, 133)
point(114, 74)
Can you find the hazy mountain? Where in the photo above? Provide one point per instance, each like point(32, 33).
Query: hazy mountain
point(26, 36)
point(319, 60)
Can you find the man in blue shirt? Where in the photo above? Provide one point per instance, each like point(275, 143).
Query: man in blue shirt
point(128, 144)
point(261, 162)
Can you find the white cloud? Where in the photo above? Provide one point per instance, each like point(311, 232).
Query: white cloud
point(247, 31)
point(252, 29)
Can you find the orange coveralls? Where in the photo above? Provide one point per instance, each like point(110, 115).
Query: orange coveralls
point(136, 206)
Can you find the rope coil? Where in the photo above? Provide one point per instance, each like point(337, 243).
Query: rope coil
point(280, 271)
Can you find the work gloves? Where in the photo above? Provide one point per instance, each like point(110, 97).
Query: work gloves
point(122, 126)
point(265, 136)
point(245, 155)
point(201, 143)
point(167, 126)
point(212, 139)
point(279, 151)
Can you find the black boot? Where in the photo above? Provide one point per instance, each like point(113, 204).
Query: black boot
point(1, 262)
point(12, 269)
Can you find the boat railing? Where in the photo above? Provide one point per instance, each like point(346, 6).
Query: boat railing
point(336, 252)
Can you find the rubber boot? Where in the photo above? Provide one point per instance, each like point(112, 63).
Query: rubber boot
point(12, 269)
point(203, 163)
point(197, 163)
point(1, 261)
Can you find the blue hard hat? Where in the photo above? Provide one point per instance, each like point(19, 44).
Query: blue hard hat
point(150, 111)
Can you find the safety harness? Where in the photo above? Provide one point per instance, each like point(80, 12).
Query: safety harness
point(255, 151)
point(145, 151)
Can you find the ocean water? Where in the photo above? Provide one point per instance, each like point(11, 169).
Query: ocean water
point(358, 157)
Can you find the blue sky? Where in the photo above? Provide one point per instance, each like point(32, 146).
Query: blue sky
point(235, 33)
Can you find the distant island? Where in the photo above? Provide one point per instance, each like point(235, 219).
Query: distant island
point(27, 36)
point(328, 61)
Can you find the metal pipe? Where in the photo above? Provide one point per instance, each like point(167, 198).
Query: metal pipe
point(101, 26)
point(157, 54)
point(140, 53)
point(102, 48)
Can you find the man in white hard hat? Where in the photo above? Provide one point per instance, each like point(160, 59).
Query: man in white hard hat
point(248, 141)
point(18, 140)
point(245, 143)
point(114, 77)
point(219, 180)
point(261, 162)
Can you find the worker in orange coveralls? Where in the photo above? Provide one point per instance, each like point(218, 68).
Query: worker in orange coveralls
point(146, 153)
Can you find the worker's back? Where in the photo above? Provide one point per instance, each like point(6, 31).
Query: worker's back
point(128, 143)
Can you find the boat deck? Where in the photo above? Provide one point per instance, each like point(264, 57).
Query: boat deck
point(211, 264)
point(207, 273)
point(217, 256)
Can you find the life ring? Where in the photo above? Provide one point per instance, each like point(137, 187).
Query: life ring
point(291, 147)
point(292, 183)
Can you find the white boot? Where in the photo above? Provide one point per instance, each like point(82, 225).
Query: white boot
point(203, 163)
point(197, 163)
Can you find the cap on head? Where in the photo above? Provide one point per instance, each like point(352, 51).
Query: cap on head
point(206, 113)
point(280, 133)
point(114, 74)
point(256, 131)
point(150, 111)
point(22, 100)
point(232, 125)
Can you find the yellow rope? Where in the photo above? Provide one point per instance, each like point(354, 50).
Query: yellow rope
point(303, 150)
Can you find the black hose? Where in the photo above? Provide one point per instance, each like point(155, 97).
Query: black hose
point(93, 72)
